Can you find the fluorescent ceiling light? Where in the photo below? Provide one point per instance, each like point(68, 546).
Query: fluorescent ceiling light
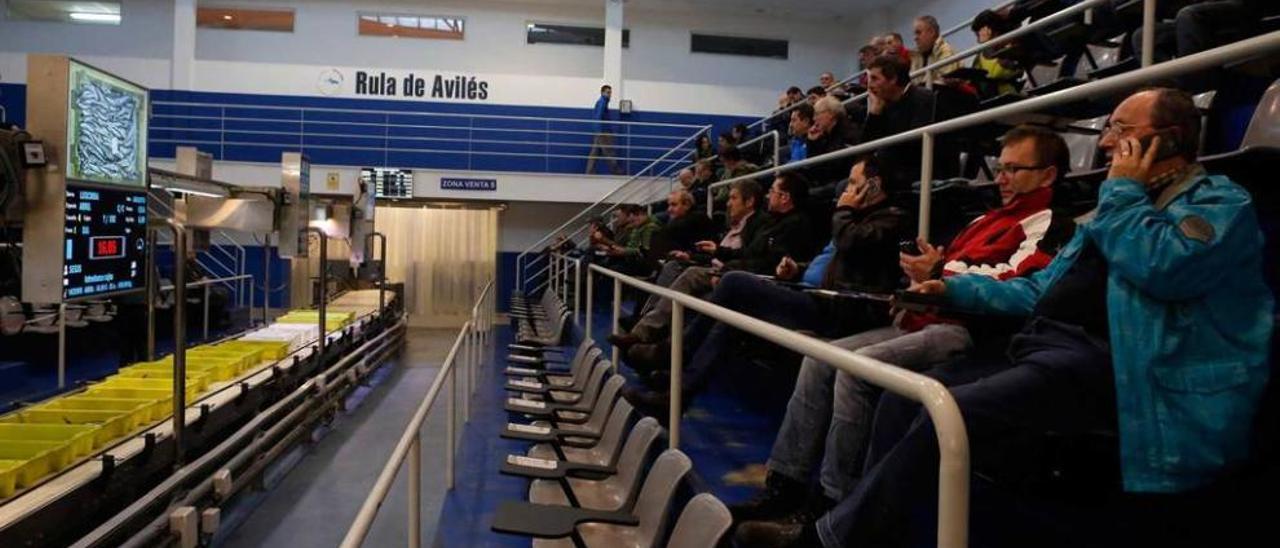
point(95, 17)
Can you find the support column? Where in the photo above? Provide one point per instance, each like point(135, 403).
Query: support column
point(182, 67)
point(613, 23)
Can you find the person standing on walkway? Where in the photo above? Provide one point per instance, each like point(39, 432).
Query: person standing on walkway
point(602, 143)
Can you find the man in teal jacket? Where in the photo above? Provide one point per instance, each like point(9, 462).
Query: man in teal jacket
point(1154, 320)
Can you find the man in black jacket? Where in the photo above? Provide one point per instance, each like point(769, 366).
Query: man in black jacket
point(685, 226)
point(831, 130)
point(788, 233)
point(866, 228)
point(894, 105)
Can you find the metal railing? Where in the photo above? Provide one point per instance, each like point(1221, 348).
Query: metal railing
point(472, 339)
point(411, 139)
point(953, 443)
point(627, 189)
point(1244, 49)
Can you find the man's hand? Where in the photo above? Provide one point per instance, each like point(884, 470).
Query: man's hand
point(1129, 161)
point(787, 269)
point(706, 246)
point(717, 264)
point(875, 105)
point(927, 287)
point(920, 268)
point(814, 133)
point(854, 196)
point(616, 250)
point(679, 255)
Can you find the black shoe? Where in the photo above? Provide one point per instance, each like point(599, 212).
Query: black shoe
point(781, 497)
point(650, 356)
point(816, 507)
point(657, 380)
point(653, 403)
point(772, 534)
point(623, 341)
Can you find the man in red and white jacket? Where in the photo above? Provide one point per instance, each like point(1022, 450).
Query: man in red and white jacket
point(829, 416)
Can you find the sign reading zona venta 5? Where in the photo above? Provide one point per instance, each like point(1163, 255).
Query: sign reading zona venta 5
point(440, 87)
point(462, 183)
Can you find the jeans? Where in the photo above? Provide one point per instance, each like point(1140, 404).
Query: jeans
point(1060, 380)
point(695, 280)
point(602, 147)
point(828, 419)
point(670, 271)
point(706, 340)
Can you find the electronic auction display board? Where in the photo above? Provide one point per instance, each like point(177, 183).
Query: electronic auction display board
point(105, 243)
point(84, 229)
point(387, 182)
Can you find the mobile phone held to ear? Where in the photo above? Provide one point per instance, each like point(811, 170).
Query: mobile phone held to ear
point(909, 247)
point(1169, 145)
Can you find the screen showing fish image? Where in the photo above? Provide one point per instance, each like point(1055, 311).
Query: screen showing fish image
point(104, 240)
point(106, 128)
point(388, 183)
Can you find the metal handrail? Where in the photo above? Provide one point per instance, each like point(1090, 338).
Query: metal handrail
point(412, 113)
point(470, 342)
point(577, 217)
point(953, 441)
point(1251, 47)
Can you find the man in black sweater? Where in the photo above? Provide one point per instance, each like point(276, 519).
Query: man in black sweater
point(685, 226)
point(789, 233)
point(894, 105)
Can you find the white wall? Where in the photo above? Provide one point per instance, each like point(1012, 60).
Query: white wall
point(524, 223)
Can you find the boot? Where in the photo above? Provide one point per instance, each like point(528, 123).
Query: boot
point(772, 534)
point(781, 497)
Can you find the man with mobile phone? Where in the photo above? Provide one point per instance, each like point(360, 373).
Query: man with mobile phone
point(828, 420)
point(1154, 321)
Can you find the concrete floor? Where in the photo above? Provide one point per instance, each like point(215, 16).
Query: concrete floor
point(315, 503)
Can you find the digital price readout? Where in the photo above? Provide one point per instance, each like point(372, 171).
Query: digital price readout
point(388, 183)
point(104, 240)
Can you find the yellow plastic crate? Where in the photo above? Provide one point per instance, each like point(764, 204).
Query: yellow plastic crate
point(79, 438)
point(113, 423)
point(194, 387)
point(271, 350)
point(195, 376)
point(9, 477)
point(244, 358)
point(42, 458)
point(218, 368)
point(142, 410)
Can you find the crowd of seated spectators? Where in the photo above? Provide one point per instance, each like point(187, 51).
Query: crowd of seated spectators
point(1148, 319)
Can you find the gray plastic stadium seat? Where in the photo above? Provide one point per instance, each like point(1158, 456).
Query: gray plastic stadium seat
point(701, 524)
point(651, 509)
point(614, 492)
point(1264, 127)
point(600, 413)
point(603, 452)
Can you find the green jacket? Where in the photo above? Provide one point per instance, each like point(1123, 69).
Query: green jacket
point(638, 240)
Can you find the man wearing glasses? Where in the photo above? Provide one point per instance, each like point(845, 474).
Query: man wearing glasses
point(828, 418)
point(1154, 321)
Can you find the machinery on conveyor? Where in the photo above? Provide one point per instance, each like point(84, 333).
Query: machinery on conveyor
point(151, 454)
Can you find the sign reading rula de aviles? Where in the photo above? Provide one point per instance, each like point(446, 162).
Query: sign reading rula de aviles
point(439, 86)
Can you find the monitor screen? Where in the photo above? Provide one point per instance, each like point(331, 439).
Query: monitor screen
point(104, 240)
point(106, 128)
point(388, 183)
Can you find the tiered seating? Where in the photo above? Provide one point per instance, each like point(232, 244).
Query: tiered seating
point(596, 475)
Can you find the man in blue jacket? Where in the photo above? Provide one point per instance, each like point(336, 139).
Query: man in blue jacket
point(602, 143)
point(1154, 321)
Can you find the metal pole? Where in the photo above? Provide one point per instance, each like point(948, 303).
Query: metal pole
point(152, 284)
point(324, 285)
point(617, 313)
point(62, 345)
point(415, 492)
point(577, 290)
point(179, 340)
point(926, 183)
point(266, 278)
point(452, 413)
point(466, 376)
point(206, 312)
point(520, 273)
point(382, 265)
point(677, 372)
point(1148, 32)
point(253, 291)
point(591, 290)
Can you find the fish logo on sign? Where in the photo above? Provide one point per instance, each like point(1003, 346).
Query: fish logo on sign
point(330, 82)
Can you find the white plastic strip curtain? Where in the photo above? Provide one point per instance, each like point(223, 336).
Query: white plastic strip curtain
point(443, 254)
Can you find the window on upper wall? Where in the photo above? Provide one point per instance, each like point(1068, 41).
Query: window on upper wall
point(433, 27)
point(233, 18)
point(93, 13)
point(734, 45)
point(541, 33)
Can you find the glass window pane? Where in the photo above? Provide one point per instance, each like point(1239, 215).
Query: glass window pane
point(733, 45)
point(91, 13)
point(410, 26)
point(540, 33)
point(279, 20)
